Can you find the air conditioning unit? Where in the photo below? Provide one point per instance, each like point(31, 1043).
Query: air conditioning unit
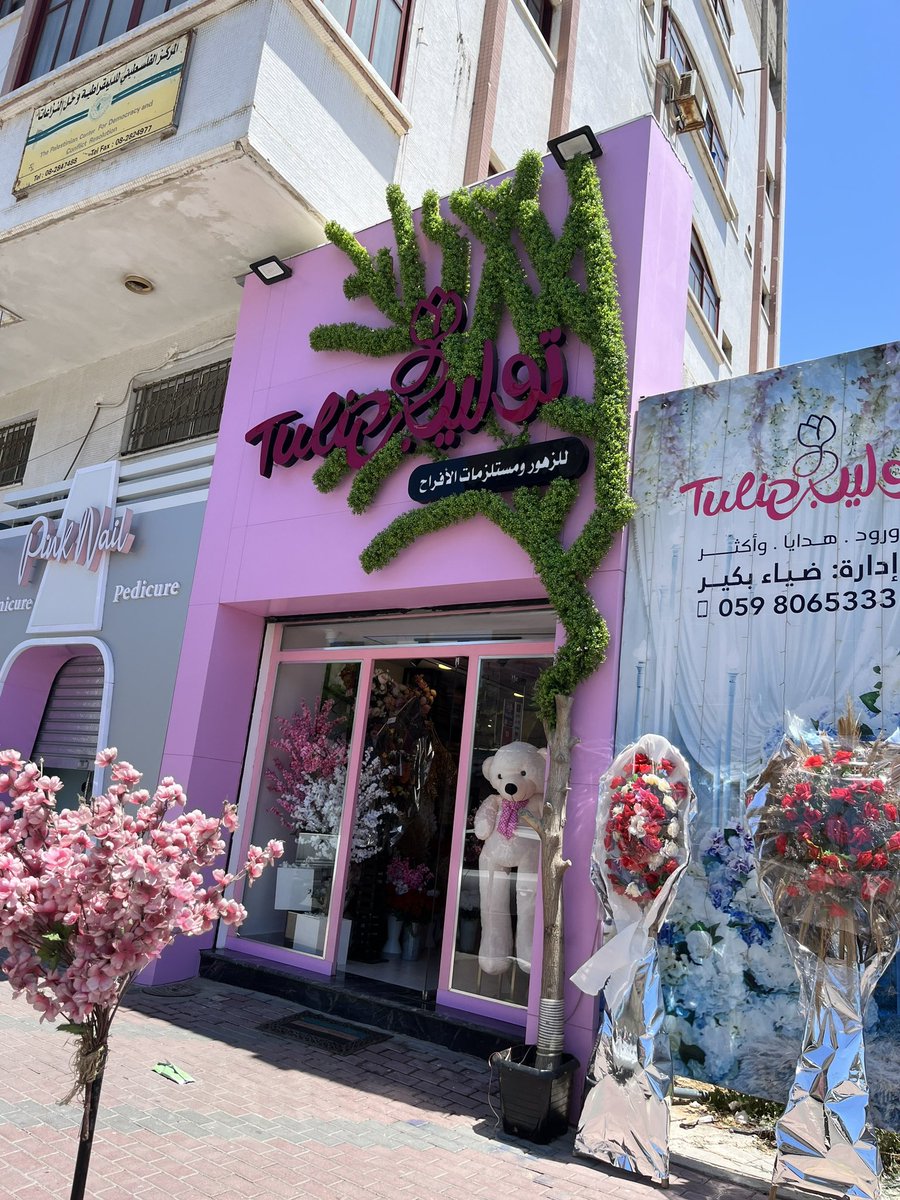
point(689, 102)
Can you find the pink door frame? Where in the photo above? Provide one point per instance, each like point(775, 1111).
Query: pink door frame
point(476, 653)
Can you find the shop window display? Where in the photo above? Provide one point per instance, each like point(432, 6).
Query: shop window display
point(302, 797)
point(498, 887)
point(400, 835)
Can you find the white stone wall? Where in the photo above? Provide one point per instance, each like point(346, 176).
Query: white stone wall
point(438, 89)
point(261, 71)
point(217, 99)
point(525, 89)
point(282, 80)
point(615, 65)
point(81, 415)
point(316, 127)
point(615, 79)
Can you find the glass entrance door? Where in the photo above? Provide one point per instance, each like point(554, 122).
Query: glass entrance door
point(369, 760)
point(402, 833)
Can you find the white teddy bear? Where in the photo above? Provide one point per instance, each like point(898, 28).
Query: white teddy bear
point(516, 772)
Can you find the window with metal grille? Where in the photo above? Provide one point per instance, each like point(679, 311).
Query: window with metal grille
point(69, 28)
point(379, 28)
point(15, 445)
point(177, 409)
point(70, 727)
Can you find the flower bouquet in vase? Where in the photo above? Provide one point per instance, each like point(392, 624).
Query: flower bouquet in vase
point(309, 779)
point(826, 826)
point(644, 815)
point(410, 901)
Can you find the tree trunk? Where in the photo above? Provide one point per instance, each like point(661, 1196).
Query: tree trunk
point(553, 870)
point(86, 1138)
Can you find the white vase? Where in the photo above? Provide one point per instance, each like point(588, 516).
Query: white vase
point(392, 947)
point(294, 888)
point(411, 941)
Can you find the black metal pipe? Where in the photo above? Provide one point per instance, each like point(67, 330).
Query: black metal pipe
point(86, 1139)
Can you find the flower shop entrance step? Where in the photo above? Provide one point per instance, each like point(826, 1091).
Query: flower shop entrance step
point(368, 1001)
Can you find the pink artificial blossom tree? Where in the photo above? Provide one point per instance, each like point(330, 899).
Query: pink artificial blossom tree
point(90, 896)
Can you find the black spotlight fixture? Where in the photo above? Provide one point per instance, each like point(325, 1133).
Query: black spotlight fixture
point(271, 269)
point(578, 141)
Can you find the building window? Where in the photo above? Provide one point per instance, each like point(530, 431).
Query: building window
point(379, 29)
point(673, 45)
point(766, 302)
point(675, 48)
point(722, 15)
point(15, 446)
point(542, 13)
point(713, 139)
point(177, 409)
point(69, 28)
point(701, 284)
point(9, 6)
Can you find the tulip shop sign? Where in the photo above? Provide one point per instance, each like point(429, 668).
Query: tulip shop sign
point(432, 408)
point(84, 541)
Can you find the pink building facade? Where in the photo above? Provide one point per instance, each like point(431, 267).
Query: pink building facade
point(427, 665)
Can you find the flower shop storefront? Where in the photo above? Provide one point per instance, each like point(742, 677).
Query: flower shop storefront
point(370, 759)
point(768, 531)
point(352, 688)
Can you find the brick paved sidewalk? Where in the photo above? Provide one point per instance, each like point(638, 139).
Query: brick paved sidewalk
point(273, 1118)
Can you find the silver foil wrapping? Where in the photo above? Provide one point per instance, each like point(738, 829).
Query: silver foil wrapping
point(824, 1142)
point(625, 1118)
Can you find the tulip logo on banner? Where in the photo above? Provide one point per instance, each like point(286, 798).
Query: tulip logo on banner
point(817, 477)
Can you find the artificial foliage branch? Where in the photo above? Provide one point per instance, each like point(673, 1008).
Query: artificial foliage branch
point(520, 250)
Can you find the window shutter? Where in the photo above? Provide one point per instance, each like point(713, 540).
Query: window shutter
point(70, 727)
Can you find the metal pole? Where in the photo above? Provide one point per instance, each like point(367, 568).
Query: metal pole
point(86, 1139)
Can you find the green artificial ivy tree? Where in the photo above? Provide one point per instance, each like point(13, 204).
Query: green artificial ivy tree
point(518, 246)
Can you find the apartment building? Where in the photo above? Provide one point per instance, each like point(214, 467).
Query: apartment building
point(118, 264)
point(151, 151)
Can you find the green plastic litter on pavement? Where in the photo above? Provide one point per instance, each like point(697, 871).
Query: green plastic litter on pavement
point(170, 1071)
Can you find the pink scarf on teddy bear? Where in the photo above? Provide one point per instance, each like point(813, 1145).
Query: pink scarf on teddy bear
point(509, 818)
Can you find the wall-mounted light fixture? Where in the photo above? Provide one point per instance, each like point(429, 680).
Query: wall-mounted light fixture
point(271, 269)
point(578, 141)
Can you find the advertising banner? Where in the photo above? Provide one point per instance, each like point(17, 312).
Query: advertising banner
point(135, 101)
point(763, 580)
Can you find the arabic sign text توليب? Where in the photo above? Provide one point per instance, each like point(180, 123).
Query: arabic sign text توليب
point(432, 408)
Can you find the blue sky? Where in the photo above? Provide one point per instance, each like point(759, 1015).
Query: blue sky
point(842, 229)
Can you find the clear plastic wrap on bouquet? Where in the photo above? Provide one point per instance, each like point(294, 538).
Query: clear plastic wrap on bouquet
point(826, 826)
point(642, 846)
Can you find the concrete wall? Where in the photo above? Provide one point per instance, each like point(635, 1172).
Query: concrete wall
point(438, 88)
point(81, 415)
point(615, 78)
point(525, 89)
